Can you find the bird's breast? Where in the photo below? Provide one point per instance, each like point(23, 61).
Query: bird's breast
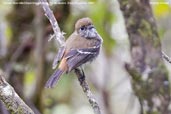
point(77, 42)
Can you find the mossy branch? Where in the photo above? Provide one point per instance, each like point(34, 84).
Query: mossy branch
point(149, 74)
point(11, 99)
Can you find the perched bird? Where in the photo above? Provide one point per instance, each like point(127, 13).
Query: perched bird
point(82, 46)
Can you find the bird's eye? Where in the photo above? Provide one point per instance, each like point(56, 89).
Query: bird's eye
point(82, 28)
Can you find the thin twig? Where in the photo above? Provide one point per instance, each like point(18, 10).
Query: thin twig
point(11, 99)
point(49, 14)
point(81, 77)
point(167, 58)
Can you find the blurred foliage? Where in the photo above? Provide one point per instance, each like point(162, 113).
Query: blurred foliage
point(29, 77)
point(103, 18)
point(62, 109)
point(8, 33)
point(161, 8)
point(60, 94)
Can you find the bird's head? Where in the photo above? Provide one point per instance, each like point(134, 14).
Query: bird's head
point(85, 28)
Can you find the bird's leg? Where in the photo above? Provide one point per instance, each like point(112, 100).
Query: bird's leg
point(80, 75)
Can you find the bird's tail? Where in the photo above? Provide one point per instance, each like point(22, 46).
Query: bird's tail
point(54, 78)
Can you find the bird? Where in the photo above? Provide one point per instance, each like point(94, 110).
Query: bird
point(82, 46)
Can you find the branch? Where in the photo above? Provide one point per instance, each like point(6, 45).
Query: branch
point(54, 23)
point(147, 69)
point(81, 77)
point(167, 58)
point(11, 99)
point(60, 38)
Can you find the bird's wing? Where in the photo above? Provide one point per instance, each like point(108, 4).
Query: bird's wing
point(58, 56)
point(77, 57)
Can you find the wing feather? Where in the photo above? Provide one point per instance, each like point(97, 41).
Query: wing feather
point(77, 57)
point(58, 57)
